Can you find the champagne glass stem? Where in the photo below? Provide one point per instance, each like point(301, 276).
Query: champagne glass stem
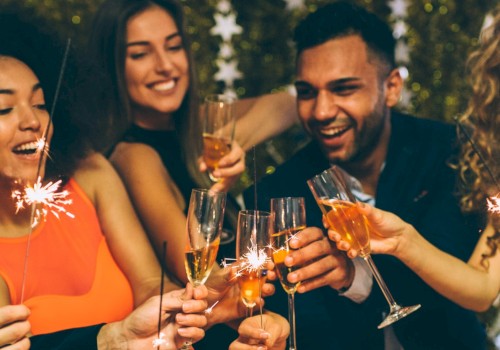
point(380, 281)
point(260, 305)
point(249, 311)
point(291, 320)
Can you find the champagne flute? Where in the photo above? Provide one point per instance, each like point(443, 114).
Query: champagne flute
point(289, 218)
point(203, 228)
point(332, 191)
point(252, 254)
point(218, 130)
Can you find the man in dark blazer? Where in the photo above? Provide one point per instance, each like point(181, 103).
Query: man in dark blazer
point(347, 85)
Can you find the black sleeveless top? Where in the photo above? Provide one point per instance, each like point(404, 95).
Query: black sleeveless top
point(166, 143)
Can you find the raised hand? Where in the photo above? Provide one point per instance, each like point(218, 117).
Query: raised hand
point(182, 318)
point(269, 332)
point(14, 327)
point(224, 295)
point(321, 263)
point(387, 232)
point(230, 168)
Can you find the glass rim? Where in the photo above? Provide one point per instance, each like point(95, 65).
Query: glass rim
point(327, 170)
point(253, 211)
point(208, 191)
point(219, 98)
point(288, 198)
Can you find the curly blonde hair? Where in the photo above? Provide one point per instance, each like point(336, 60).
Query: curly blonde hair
point(479, 166)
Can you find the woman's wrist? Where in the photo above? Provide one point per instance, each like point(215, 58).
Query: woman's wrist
point(407, 244)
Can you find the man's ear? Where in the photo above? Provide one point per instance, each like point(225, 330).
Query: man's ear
point(393, 87)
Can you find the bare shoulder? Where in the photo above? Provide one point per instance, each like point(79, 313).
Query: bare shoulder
point(143, 171)
point(137, 159)
point(93, 163)
point(126, 153)
point(95, 172)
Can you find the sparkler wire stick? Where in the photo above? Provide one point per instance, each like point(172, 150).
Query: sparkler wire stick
point(254, 179)
point(164, 253)
point(260, 304)
point(478, 152)
point(33, 206)
point(255, 207)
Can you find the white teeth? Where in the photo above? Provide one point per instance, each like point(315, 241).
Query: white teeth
point(30, 147)
point(333, 131)
point(164, 86)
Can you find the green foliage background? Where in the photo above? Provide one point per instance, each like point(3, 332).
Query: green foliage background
point(440, 35)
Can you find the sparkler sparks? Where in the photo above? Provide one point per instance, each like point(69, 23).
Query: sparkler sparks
point(159, 341)
point(40, 145)
point(254, 259)
point(494, 204)
point(48, 195)
point(209, 310)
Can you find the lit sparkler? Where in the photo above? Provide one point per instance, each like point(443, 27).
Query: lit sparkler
point(40, 145)
point(159, 341)
point(254, 259)
point(47, 195)
point(494, 204)
point(38, 194)
point(209, 310)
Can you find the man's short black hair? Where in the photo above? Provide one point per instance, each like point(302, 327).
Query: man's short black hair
point(340, 19)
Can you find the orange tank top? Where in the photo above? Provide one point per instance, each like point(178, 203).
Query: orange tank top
point(72, 279)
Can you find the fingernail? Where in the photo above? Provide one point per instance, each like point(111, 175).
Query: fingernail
point(265, 335)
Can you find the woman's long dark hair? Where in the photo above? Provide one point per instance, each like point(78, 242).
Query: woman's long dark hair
point(31, 40)
point(110, 105)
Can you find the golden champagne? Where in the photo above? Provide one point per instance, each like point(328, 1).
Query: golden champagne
point(345, 218)
point(281, 248)
point(199, 262)
point(251, 283)
point(214, 148)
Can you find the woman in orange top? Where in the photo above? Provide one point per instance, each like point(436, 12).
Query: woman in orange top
point(89, 264)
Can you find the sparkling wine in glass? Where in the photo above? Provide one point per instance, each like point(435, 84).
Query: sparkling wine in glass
point(203, 228)
point(289, 219)
point(218, 130)
point(332, 191)
point(252, 254)
point(204, 225)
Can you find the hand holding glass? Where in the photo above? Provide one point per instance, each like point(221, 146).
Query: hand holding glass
point(204, 226)
point(252, 254)
point(332, 192)
point(218, 130)
point(289, 218)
